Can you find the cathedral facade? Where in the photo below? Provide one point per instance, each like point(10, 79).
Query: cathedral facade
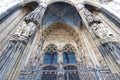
point(59, 40)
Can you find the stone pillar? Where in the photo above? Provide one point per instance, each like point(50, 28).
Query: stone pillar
point(14, 54)
point(109, 43)
point(60, 57)
point(60, 68)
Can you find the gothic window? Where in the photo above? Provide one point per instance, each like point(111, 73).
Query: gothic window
point(49, 74)
point(47, 58)
point(50, 58)
point(69, 57)
point(71, 75)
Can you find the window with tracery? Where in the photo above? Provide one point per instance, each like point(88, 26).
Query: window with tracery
point(50, 55)
point(69, 54)
point(71, 72)
point(49, 72)
point(50, 58)
point(69, 57)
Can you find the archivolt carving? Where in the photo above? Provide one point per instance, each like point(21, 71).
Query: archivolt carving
point(58, 26)
point(74, 37)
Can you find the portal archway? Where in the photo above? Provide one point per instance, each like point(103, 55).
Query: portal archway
point(60, 26)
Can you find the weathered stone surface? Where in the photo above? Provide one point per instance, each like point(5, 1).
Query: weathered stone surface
point(24, 54)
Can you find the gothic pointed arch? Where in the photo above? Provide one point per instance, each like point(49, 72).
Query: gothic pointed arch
point(69, 57)
point(51, 55)
point(69, 53)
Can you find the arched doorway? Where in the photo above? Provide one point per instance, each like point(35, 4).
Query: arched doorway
point(61, 25)
point(49, 75)
point(71, 73)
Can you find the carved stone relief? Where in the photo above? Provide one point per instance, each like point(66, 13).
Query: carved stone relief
point(24, 31)
point(107, 39)
point(101, 31)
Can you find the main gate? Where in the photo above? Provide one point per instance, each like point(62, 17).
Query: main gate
point(68, 73)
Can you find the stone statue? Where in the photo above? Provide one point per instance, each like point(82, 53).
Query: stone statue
point(91, 18)
point(29, 29)
point(19, 30)
point(103, 33)
point(24, 31)
point(105, 36)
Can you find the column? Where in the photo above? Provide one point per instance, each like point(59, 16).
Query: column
point(60, 68)
point(108, 42)
point(13, 56)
